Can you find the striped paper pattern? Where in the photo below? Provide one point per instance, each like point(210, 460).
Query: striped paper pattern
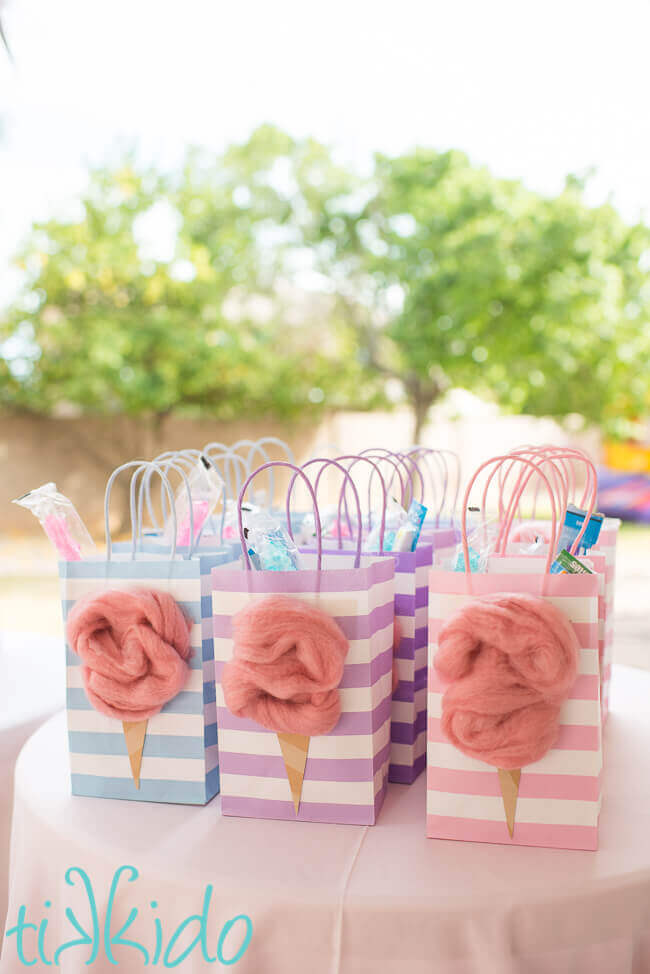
point(597, 561)
point(346, 771)
point(559, 796)
point(607, 546)
point(409, 705)
point(180, 761)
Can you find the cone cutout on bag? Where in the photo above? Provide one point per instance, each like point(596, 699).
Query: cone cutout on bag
point(509, 782)
point(294, 749)
point(134, 734)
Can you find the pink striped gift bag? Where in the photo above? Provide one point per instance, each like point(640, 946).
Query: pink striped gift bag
point(268, 769)
point(525, 773)
point(606, 546)
point(601, 558)
point(535, 564)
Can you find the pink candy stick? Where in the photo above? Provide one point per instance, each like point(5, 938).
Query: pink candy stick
point(184, 535)
point(56, 528)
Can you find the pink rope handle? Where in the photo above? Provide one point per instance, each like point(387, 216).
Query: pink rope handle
point(504, 473)
point(593, 477)
point(533, 451)
point(242, 495)
point(505, 517)
point(347, 481)
point(356, 458)
point(558, 455)
point(591, 483)
point(468, 489)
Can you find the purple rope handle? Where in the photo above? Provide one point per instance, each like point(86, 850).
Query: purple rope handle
point(378, 453)
point(426, 454)
point(356, 458)
point(347, 480)
point(407, 456)
point(242, 495)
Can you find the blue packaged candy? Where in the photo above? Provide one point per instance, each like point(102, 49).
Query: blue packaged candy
point(573, 521)
point(270, 547)
point(408, 533)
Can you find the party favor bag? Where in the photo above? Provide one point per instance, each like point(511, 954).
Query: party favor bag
point(170, 755)
point(409, 703)
point(479, 791)
point(268, 768)
point(606, 546)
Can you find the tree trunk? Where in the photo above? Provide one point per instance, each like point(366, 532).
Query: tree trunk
point(421, 402)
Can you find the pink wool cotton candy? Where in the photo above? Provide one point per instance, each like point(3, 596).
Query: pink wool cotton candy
point(135, 648)
point(287, 664)
point(510, 662)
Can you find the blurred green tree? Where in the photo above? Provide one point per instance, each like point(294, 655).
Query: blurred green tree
point(162, 296)
point(275, 280)
point(451, 277)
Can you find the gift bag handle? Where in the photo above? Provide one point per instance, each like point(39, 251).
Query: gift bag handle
point(166, 465)
point(560, 474)
point(347, 480)
point(189, 459)
point(276, 441)
point(426, 455)
point(408, 464)
point(253, 448)
point(398, 466)
point(178, 464)
point(503, 472)
point(232, 461)
point(356, 458)
point(140, 466)
point(407, 458)
point(242, 495)
point(552, 458)
point(555, 456)
point(468, 489)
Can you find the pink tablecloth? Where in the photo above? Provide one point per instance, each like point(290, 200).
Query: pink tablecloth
point(32, 688)
point(325, 899)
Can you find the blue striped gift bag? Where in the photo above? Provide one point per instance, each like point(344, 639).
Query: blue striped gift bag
point(180, 755)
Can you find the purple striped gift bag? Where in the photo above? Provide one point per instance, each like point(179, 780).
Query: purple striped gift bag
point(409, 707)
point(346, 770)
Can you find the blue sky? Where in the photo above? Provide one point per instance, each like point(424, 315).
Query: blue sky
point(532, 89)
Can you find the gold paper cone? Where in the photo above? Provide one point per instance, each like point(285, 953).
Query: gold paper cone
point(509, 781)
point(134, 735)
point(294, 749)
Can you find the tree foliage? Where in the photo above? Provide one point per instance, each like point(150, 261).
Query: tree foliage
point(108, 323)
point(456, 278)
point(293, 283)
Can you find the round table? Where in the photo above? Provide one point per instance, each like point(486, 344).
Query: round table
point(32, 687)
point(324, 899)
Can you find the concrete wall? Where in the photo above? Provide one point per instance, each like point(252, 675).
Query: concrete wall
point(79, 454)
